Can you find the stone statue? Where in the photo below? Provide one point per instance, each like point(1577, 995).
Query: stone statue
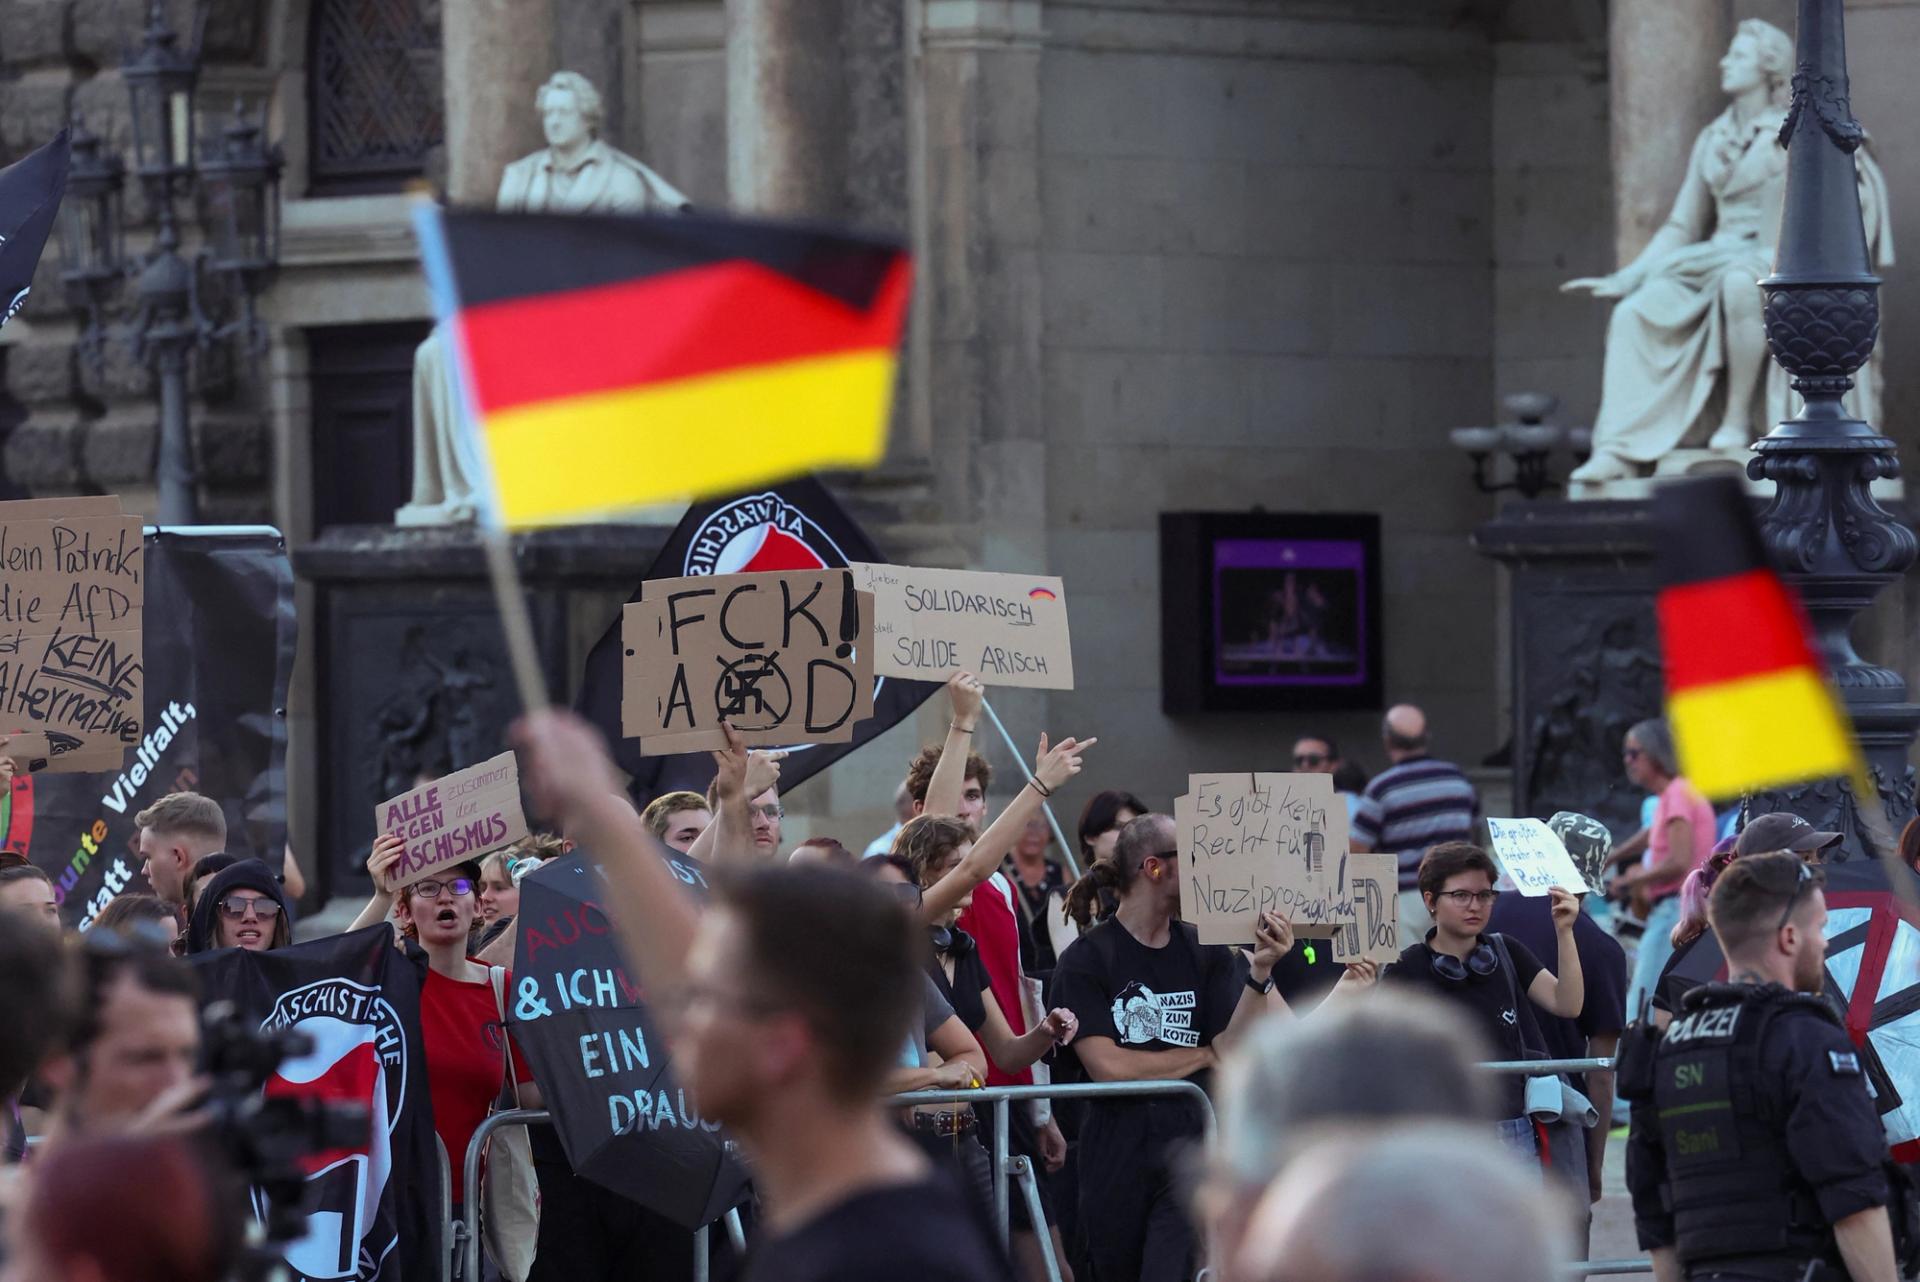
point(577, 173)
point(1686, 346)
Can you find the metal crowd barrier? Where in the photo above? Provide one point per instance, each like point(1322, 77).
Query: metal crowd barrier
point(1008, 1168)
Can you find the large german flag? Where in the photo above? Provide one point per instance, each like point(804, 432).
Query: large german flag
point(1747, 699)
point(613, 362)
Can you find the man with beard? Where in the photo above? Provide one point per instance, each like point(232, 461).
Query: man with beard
point(1756, 1152)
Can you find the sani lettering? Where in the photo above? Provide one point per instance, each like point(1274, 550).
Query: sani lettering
point(1141, 1015)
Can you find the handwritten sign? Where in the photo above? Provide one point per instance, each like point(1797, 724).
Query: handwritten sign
point(460, 816)
point(1374, 932)
point(1008, 629)
point(784, 658)
point(1533, 858)
point(72, 592)
point(1254, 843)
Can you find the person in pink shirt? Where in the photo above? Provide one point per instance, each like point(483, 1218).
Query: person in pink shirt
point(1679, 839)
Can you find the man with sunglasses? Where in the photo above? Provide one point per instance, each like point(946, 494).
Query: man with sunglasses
point(1756, 1150)
point(1494, 979)
point(241, 906)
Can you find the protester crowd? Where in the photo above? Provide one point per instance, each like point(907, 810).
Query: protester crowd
point(1359, 1138)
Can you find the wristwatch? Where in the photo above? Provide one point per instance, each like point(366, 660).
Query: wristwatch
point(1262, 987)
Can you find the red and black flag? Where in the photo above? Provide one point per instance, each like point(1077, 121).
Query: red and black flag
point(1747, 697)
point(613, 362)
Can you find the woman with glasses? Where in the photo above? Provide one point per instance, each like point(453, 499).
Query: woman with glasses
point(461, 1012)
point(241, 906)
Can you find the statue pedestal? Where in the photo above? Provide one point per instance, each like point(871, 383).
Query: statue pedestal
point(1703, 462)
point(411, 670)
point(1585, 649)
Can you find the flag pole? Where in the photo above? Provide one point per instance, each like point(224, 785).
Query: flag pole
point(1046, 807)
point(508, 593)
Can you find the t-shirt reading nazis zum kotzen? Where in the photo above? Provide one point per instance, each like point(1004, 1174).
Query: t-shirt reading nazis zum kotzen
point(1149, 999)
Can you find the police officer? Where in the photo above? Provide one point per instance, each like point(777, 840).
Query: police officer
point(1756, 1154)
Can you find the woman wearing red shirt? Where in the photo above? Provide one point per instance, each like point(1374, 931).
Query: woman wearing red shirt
point(459, 1022)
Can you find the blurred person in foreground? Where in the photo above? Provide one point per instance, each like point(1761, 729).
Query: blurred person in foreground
point(1756, 1151)
point(124, 1209)
point(1393, 1058)
point(24, 887)
point(37, 1005)
point(130, 1062)
point(783, 1030)
point(1428, 1203)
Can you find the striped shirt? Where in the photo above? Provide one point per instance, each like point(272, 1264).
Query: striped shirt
point(1414, 805)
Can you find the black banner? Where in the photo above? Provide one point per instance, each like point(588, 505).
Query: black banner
point(30, 192)
point(374, 1213)
point(219, 654)
point(793, 526)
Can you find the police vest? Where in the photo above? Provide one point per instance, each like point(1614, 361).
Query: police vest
point(1731, 1183)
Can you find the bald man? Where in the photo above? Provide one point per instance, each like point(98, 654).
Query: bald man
point(1415, 804)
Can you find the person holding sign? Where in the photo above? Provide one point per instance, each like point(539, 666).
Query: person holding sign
point(1487, 974)
point(1153, 1003)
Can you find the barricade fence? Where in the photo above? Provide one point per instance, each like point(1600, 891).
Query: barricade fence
point(1009, 1169)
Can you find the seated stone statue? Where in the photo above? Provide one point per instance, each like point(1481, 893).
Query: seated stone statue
point(577, 173)
point(1686, 346)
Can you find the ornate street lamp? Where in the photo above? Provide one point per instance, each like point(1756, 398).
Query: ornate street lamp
point(1823, 525)
point(239, 188)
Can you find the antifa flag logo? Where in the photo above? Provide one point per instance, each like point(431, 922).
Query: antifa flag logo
point(358, 1058)
point(796, 525)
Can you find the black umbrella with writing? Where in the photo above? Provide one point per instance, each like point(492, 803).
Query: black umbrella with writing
point(577, 1014)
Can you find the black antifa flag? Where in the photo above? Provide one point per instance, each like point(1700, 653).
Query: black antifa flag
point(219, 630)
point(30, 192)
point(793, 526)
point(373, 1213)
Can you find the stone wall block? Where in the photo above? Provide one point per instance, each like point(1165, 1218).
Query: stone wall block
point(232, 450)
point(119, 449)
point(118, 376)
point(233, 28)
point(32, 31)
point(40, 373)
point(106, 31)
point(31, 112)
point(44, 453)
point(251, 506)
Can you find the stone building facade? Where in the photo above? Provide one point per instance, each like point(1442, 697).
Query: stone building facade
point(1173, 254)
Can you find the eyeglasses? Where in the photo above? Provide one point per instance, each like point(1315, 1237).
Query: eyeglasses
point(460, 886)
point(1462, 898)
point(769, 813)
point(1308, 760)
point(1632, 754)
point(235, 907)
point(1800, 884)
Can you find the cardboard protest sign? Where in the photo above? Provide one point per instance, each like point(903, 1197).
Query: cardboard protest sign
point(1533, 858)
point(464, 815)
point(1374, 932)
point(1007, 629)
point(784, 658)
point(72, 596)
point(1256, 843)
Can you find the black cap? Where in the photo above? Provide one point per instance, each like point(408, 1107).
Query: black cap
point(1783, 831)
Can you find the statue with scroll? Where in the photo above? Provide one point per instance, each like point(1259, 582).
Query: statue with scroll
point(1686, 348)
point(578, 172)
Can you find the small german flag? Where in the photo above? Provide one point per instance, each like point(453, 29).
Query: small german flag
point(612, 362)
point(1747, 700)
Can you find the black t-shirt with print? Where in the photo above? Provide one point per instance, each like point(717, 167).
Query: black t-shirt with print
point(922, 1231)
point(1149, 999)
point(1496, 1004)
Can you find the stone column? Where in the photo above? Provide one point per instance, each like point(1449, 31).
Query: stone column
point(788, 115)
point(497, 53)
point(1664, 67)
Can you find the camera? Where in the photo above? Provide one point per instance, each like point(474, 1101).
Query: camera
point(265, 1138)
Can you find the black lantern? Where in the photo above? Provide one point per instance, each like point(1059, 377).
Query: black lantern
point(240, 191)
point(91, 228)
point(160, 82)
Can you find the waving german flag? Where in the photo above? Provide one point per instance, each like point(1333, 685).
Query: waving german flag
point(613, 362)
point(1747, 699)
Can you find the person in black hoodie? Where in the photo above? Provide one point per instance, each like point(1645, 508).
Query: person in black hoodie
point(242, 906)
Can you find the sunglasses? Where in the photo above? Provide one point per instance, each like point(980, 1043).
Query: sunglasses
point(1308, 759)
point(1800, 884)
point(459, 886)
point(234, 907)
